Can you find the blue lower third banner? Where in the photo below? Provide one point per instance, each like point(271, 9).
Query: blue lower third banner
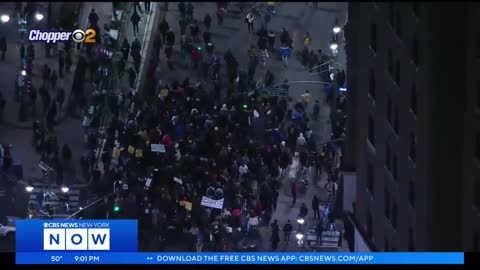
point(93, 257)
point(76, 235)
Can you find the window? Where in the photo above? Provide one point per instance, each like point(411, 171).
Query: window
point(394, 215)
point(390, 61)
point(413, 147)
point(477, 147)
point(371, 79)
point(413, 98)
point(389, 110)
point(388, 157)
point(387, 205)
point(415, 49)
point(370, 179)
point(373, 37)
point(397, 72)
point(371, 130)
point(391, 13)
point(396, 119)
point(475, 242)
point(395, 167)
point(411, 193)
point(398, 24)
point(369, 225)
point(411, 240)
point(416, 9)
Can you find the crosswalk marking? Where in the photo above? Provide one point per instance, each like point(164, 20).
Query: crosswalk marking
point(72, 196)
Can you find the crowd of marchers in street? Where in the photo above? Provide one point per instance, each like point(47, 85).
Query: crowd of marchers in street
point(207, 129)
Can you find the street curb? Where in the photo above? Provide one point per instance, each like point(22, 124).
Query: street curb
point(147, 45)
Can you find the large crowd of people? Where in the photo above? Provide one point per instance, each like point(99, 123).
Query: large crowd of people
point(185, 140)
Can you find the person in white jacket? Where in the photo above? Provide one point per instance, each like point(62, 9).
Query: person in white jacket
point(249, 20)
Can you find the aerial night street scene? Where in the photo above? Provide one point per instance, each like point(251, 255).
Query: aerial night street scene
point(245, 126)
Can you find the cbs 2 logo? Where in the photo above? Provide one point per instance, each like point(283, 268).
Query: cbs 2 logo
point(88, 36)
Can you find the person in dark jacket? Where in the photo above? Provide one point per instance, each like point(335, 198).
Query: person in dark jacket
point(163, 27)
point(207, 21)
point(303, 210)
point(125, 49)
point(131, 77)
point(92, 17)
point(287, 230)
point(183, 25)
point(189, 11)
point(170, 38)
point(316, 207)
point(135, 19)
point(275, 236)
point(182, 8)
point(3, 46)
point(135, 49)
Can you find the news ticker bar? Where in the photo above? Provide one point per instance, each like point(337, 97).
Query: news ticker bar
point(238, 258)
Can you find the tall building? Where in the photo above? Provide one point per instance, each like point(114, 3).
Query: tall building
point(413, 131)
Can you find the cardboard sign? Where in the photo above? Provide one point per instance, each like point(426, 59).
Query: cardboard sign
point(116, 152)
point(188, 206)
point(131, 149)
point(218, 204)
point(139, 153)
point(158, 148)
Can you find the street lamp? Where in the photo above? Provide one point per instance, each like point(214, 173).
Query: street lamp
point(29, 188)
point(336, 29)
point(300, 221)
point(333, 46)
point(39, 16)
point(65, 189)
point(5, 18)
point(23, 73)
point(299, 236)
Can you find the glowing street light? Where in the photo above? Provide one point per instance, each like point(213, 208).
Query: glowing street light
point(29, 188)
point(300, 221)
point(39, 16)
point(23, 73)
point(299, 236)
point(5, 18)
point(65, 189)
point(336, 29)
point(333, 46)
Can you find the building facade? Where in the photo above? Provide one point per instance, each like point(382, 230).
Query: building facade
point(413, 126)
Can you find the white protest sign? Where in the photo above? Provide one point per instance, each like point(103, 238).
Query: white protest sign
point(158, 148)
point(218, 204)
point(178, 180)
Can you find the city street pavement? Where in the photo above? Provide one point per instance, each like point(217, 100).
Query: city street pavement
point(233, 34)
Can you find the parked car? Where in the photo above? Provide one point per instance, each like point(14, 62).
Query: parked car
point(8, 228)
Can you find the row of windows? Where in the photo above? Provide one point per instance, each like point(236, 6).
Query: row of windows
point(411, 236)
point(411, 187)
